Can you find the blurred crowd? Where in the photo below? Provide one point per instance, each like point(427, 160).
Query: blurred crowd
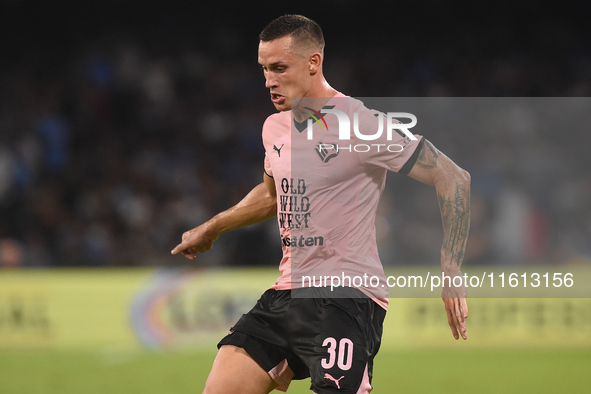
point(110, 150)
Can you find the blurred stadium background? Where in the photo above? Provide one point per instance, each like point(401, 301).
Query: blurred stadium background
point(123, 124)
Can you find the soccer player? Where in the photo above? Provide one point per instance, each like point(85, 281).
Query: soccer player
point(325, 195)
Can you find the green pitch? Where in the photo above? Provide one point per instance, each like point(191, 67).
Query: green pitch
point(468, 371)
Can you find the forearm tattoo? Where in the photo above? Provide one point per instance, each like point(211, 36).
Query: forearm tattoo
point(455, 216)
point(453, 194)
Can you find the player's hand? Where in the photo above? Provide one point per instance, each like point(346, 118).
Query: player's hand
point(454, 295)
point(197, 240)
point(457, 312)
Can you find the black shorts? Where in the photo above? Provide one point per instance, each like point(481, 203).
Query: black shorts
point(331, 340)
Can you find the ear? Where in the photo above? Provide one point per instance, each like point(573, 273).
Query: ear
point(314, 62)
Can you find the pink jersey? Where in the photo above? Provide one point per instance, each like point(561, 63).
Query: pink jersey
point(328, 191)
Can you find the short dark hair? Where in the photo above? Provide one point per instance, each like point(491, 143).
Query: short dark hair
point(302, 30)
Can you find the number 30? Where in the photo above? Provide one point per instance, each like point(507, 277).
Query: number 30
point(344, 350)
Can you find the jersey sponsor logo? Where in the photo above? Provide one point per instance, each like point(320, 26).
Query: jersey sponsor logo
point(326, 151)
point(302, 241)
point(293, 206)
point(336, 381)
point(278, 150)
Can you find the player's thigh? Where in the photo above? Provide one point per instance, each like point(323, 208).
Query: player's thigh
point(234, 371)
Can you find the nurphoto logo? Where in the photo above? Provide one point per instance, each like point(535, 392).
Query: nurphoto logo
point(391, 120)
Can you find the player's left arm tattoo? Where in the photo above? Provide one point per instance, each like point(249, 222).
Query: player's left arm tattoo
point(454, 204)
point(452, 185)
point(428, 156)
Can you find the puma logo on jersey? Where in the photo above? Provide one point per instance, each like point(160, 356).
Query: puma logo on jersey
point(336, 381)
point(278, 149)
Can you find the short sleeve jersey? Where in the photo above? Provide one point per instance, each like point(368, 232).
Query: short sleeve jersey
point(328, 189)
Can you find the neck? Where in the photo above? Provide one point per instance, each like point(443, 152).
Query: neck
point(316, 101)
point(324, 89)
